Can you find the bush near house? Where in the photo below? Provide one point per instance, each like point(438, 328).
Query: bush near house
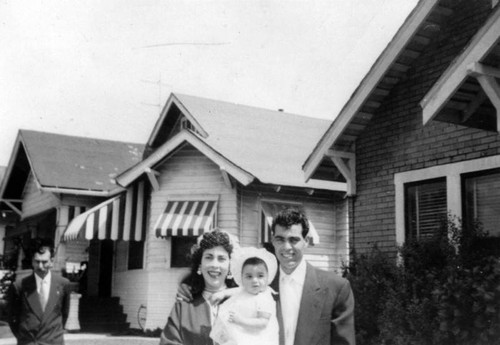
point(445, 290)
point(7, 278)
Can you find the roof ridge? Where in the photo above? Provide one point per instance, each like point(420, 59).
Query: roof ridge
point(277, 112)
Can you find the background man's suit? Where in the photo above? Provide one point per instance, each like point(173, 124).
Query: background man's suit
point(28, 322)
point(326, 314)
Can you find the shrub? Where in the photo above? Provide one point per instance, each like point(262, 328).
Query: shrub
point(445, 291)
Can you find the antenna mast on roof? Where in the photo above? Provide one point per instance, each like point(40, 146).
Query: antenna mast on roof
point(160, 84)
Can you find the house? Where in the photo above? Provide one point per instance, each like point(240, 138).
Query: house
point(215, 164)
point(49, 180)
point(418, 139)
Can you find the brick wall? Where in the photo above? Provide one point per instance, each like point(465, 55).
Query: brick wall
point(396, 140)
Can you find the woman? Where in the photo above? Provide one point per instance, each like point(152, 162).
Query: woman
point(190, 323)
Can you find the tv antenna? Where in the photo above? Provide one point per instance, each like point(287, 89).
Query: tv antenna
point(159, 83)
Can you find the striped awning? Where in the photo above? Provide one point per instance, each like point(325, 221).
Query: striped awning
point(186, 218)
point(269, 209)
point(120, 218)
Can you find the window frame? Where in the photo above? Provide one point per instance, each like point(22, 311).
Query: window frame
point(495, 171)
point(408, 230)
point(452, 172)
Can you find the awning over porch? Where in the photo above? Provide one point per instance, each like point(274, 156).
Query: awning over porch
point(269, 209)
point(186, 218)
point(120, 218)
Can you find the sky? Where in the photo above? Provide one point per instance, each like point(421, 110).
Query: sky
point(104, 69)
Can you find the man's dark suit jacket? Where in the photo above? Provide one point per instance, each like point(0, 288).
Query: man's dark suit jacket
point(326, 314)
point(31, 325)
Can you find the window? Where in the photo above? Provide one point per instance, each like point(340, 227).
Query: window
point(135, 255)
point(425, 208)
point(482, 200)
point(181, 250)
point(186, 124)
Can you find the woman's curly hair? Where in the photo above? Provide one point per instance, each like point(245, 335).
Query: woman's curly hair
point(208, 240)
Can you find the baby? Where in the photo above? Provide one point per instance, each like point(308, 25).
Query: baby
point(249, 316)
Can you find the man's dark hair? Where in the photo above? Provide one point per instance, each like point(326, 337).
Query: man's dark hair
point(42, 245)
point(288, 217)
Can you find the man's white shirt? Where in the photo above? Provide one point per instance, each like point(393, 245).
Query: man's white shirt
point(291, 286)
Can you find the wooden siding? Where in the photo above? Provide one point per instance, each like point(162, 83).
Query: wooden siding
point(133, 288)
point(162, 288)
point(35, 201)
point(188, 173)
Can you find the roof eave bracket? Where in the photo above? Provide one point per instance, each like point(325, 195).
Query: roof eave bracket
point(486, 77)
point(346, 163)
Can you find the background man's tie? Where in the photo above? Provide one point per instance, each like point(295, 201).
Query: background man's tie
point(42, 294)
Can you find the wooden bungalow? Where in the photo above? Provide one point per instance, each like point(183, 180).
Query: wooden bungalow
point(52, 178)
point(418, 139)
point(215, 164)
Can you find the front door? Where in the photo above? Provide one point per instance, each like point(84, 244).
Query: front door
point(105, 268)
point(100, 268)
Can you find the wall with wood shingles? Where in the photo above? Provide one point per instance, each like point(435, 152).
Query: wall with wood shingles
point(396, 140)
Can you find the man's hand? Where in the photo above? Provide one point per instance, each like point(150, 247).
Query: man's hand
point(221, 296)
point(184, 293)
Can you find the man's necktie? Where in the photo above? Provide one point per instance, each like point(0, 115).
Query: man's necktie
point(286, 294)
point(42, 294)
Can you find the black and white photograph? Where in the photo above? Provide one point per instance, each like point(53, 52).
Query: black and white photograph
point(241, 172)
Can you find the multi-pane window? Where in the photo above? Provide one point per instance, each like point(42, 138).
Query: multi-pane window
point(482, 201)
point(425, 208)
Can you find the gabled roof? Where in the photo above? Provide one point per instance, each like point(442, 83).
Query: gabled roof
point(257, 143)
point(67, 164)
point(182, 138)
point(337, 144)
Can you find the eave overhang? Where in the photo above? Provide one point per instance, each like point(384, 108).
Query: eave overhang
point(337, 145)
point(468, 93)
point(176, 142)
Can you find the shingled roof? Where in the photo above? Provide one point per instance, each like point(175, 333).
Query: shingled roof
point(267, 145)
point(62, 163)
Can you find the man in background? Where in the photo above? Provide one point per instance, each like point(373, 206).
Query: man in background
point(38, 305)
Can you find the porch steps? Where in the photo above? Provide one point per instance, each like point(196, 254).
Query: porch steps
point(102, 315)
